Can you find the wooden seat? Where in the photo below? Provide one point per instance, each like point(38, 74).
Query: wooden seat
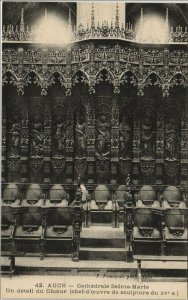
point(146, 232)
point(176, 231)
point(59, 230)
point(100, 210)
point(7, 230)
point(29, 231)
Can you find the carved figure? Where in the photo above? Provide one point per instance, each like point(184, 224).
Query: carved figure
point(15, 133)
point(81, 138)
point(172, 141)
point(60, 137)
point(103, 138)
point(147, 137)
point(37, 138)
point(124, 139)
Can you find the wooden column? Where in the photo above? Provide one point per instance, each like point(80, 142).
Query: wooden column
point(184, 144)
point(77, 223)
point(4, 148)
point(128, 230)
point(47, 143)
point(136, 146)
point(90, 142)
point(160, 145)
point(24, 145)
point(70, 147)
point(114, 140)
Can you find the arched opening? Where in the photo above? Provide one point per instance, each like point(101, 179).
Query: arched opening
point(56, 85)
point(153, 86)
point(32, 85)
point(79, 85)
point(128, 85)
point(104, 83)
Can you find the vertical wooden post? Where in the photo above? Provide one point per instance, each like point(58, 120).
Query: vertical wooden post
point(136, 147)
point(184, 143)
point(163, 241)
point(77, 224)
point(160, 145)
point(47, 143)
point(24, 145)
point(4, 146)
point(90, 141)
point(128, 229)
point(114, 140)
point(69, 147)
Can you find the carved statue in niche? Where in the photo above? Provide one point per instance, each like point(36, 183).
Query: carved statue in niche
point(147, 139)
point(37, 137)
point(15, 136)
point(59, 137)
point(103, 138)
point(81, 137)
point(124, 139)
point(172, 141)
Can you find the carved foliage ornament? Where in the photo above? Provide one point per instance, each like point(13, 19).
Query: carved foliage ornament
point(172, 168)
point(147, 167)
point(58, 164)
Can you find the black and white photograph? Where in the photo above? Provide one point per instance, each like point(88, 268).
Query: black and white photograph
point(94, 150)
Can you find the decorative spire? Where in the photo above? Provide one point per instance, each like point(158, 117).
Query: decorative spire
point(70, 20)
point(141, 16)
point(117, 16)
point(167, 15)
point(22, 26)
point(167, 25)
point(141, 24)
point(92, 16)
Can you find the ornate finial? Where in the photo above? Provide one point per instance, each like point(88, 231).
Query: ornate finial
point(167, 25)
point(141, 23)
point(141, 16)
point(92, 16)
point(167, 15)
point(22, 21)
point(117, 16)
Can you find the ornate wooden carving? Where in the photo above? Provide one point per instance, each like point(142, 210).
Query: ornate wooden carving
point(91, 59)
point(69, 146)
point(90, 113)
point(4, 145)
point(25, 144)
point(114, 140)
point(47, 143)
point(136, 146)
point(77, 225)
point(36, 135)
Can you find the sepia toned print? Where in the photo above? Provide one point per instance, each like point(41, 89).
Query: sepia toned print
point(94, 150)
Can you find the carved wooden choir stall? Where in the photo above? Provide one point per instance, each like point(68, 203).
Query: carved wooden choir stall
point(94, 149)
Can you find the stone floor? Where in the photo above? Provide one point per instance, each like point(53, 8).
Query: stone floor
point(173, 269)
